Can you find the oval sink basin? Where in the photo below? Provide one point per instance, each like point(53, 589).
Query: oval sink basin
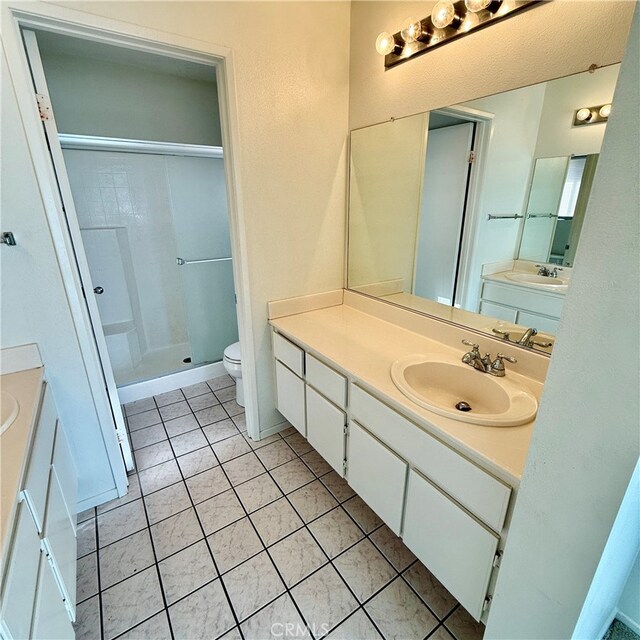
point(543, 281)
point(9, 410)
point(453, 389)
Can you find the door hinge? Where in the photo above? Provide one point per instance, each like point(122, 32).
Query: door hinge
point(345, 430)
point(497, 559)
point(344, 468)
point(472, 157)
point(44, 106)
point(487, 603)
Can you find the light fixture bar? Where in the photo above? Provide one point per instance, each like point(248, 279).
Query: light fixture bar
point(462, 19)
point(591, 115)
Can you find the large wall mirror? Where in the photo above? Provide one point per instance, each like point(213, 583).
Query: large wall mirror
point(472, 213)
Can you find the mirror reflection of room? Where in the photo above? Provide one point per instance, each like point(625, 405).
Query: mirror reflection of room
point(473, 212)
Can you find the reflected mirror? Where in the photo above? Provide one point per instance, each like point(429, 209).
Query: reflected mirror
point(472, 213)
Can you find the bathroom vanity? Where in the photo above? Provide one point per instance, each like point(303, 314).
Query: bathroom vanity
point(38, 507)
point(446, 487)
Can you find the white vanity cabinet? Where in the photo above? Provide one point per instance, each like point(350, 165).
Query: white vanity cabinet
point(521, 305)
point(448, 510)
point(39, 578)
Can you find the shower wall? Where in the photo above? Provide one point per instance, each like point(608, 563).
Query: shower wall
point(128, 196)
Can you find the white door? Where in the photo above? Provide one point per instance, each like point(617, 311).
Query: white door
point(51, 132)
point(377, 475)
point(325, 429)
point(444, 191)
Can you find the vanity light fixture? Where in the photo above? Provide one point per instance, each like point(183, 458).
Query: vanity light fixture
point(448, 21)
point(591, 115)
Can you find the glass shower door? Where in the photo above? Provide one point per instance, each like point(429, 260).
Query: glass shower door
point(200, 219)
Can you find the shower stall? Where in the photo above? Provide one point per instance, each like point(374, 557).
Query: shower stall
point(156, 235)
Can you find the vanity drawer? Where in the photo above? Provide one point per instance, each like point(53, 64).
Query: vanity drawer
point(457, 548)
point(481, 493)
point(538, 302)
point(289, 354)
point(37, 477)
point(328, 382)
point(541, 323)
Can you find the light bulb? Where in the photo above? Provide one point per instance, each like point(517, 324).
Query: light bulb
point(443, 14)
point(411, 30)
point(584, 115)
point(385, 43)
point(477, 5)
point(470, 21)
point(605, 111)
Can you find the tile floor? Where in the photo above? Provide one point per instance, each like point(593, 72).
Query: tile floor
point(220, 536)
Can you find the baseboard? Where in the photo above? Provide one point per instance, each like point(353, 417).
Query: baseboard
point(625, 619)
point(148, 388)
point(94, 501)
point(281, 426)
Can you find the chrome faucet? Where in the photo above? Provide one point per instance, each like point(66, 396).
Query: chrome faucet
point(474, 359)
point(554, 273)
point(526, 338)
point(484, 363)
point(543, 270)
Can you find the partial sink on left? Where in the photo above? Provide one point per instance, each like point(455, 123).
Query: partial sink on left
point(9, 409)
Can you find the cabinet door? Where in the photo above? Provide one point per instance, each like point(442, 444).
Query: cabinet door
point(50, 617)
point(325, 429)
point(377, 475)
point(498, 311)
point(60, 542)
point(455, 547)
point(66, 473)
point(18, 591)
point(290, 396)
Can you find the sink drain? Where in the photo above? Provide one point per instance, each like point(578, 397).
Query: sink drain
point(463, 406)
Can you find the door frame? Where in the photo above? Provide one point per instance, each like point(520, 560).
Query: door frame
point(70, 22)
point(473, 208)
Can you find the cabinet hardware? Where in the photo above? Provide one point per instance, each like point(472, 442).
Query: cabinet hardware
point(8, 238)
point(497, 559)
point(487, 603)
point(344, 467)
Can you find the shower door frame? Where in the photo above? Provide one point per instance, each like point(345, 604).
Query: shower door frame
point(70, 22)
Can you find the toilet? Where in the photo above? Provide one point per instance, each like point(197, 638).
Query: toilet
point(233, 364)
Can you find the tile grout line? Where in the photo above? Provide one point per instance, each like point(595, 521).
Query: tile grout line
point(215, 564)
point(305, 525)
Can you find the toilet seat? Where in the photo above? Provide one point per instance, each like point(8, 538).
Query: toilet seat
point(232, 353)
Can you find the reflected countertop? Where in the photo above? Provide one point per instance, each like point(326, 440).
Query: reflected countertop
point(364, 347)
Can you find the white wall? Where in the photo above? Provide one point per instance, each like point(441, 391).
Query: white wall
point(291, 74)
point(551, 40)
point(505, 180)
point(614, 569)
point(34, 305)
point(104, 98)
point(585, 443)
point(387, 164)
point(557, 136)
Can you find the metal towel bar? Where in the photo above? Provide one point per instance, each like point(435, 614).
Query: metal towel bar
point(542, 215)
point(182, 261)
point(512, 216)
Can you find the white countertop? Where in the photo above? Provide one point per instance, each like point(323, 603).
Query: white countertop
point(26, 388)
point(364, 347)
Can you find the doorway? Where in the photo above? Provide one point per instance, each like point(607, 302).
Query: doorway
point(131, 207)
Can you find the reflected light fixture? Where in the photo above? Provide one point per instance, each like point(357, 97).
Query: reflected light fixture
point(592, 115)
point(449, 20)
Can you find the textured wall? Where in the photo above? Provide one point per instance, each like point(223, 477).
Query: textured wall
point(551, 40)
point(585, 443)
